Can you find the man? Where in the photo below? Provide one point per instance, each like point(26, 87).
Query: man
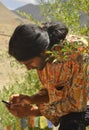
point(61, 69)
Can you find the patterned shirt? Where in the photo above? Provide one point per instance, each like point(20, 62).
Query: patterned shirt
point(67, 85)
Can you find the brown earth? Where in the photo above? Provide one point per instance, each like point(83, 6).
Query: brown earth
point(8, 22)
point(9, 70)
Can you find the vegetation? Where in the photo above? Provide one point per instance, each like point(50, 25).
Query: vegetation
point(67, 11)
point(29, 85)
point(26, 15)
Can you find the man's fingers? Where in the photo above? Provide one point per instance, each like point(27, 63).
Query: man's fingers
point(19, 110)
point(14, 98)
point(15, 110)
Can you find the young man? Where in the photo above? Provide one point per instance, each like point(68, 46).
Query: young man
point(63, 97)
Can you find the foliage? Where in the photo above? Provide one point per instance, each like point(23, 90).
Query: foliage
point(87, 128)
point(64, 11)
point(27, 16)
point(65, 51)
point(67, 11)
point(28, 86)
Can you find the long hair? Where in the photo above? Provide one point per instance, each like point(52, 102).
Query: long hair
point(29, 40)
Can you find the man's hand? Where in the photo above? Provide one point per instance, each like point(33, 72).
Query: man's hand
point(20, 106)
point(19, 98)
point(25, 110)
point(20, 110)
point(38, 98)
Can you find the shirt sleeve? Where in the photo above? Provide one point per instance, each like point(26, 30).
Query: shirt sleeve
point(40, 97)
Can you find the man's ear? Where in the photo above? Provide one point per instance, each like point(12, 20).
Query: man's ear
point(43, 53)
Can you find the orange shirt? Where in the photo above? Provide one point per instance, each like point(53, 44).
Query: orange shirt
point(67, 84)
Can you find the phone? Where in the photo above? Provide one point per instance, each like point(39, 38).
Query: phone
point(7, 103)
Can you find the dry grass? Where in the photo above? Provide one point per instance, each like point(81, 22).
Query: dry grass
point(8, 22)
point(8, 73)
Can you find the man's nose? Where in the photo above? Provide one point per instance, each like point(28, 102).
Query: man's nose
point(28, 67)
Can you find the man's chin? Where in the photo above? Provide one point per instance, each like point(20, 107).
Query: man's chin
point(41, 68)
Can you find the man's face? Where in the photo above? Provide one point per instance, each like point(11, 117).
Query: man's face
point(35, 63)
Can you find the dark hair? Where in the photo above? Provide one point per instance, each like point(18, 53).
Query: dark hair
point(57, 31)
point(29, 40)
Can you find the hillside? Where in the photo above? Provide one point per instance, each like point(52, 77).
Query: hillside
point(8, 22)
point(8, 17)
point(33, 10)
